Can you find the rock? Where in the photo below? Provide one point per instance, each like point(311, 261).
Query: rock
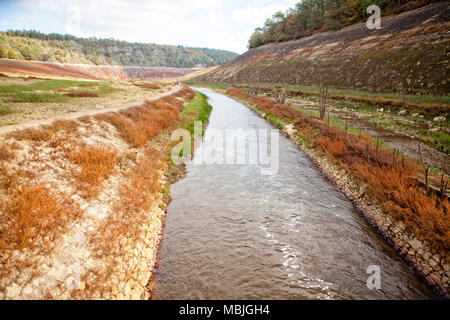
point(441, 118)
point(380, 110)
point(12, 291)
point(436, 258)
point(56, 273)
point(28, 290)
point(430, 280)
point(82, 285)
point(415, 114)
point(415, 244)
point(432, 263)
point(403, 112)
point(93, 211)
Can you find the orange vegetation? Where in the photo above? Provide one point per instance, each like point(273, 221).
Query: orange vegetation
point(33, 213)
point(96, 164)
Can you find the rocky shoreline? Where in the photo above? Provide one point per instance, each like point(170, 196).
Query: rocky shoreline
point(429, 265)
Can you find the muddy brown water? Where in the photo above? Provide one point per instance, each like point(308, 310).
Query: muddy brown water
point(232, 233)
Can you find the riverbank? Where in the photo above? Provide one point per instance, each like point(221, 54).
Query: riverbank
point(430, 261)
point(83, 203)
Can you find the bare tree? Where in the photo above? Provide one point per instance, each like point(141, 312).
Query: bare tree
point(323, 96)
point(254, 80)
point(444, 182)
point(425, 167)
point(280, 92)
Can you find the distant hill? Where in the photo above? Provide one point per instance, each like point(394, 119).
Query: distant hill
point(34, 45)
point(408, 55)
point(313, 16)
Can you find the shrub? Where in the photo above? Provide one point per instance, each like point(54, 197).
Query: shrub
point(96, 164)
point(336, 148)
point(33, 212)
point(86, 94)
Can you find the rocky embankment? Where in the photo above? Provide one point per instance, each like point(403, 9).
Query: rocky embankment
point(83, 203)
point(409, 54)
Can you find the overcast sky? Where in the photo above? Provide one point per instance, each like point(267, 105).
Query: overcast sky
point(220, 24)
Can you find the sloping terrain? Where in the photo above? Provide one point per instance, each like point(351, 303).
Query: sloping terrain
point(82, 202)
point(90, 72)
point(408, 54)
point(33, 45)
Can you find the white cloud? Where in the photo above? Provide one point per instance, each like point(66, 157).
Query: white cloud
point(222, 24)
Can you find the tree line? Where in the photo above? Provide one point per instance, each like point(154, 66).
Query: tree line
point(62, 48)
point(311, 16)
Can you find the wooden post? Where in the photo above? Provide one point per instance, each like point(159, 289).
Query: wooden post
point(376, 151)
point(367, 152)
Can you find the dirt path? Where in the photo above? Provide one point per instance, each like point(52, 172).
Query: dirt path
point(35, 123)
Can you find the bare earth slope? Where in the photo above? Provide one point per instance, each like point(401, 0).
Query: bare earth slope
point(409, 53)
point(90, 72)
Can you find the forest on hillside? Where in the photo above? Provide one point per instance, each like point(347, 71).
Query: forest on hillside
point(34, 45)
point(311, 16)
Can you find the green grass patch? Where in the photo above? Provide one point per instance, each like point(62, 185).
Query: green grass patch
point(440, 139)
point(209, 85)
point(39, 97)
point(276, 121)
point(419, 99)
point(45, 85)
point(4, 110)
point(106, 89)
point(196, 110)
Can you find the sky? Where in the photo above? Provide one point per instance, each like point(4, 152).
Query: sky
point(218, 24)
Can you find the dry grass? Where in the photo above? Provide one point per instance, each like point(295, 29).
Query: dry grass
point(147, 85)
point(45, 133)
point(138, 125)
point(33, 217)
point(336, 148)
point(33, 212)
point(96, 164)
point(6, 153)
point(82, 94)
point(405, 201)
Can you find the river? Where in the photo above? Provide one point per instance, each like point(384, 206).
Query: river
point(232, 233)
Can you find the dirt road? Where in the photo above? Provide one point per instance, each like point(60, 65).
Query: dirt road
point(35, 123)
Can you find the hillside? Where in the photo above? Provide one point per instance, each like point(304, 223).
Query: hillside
point(33, 45)
point(52, 70)
point(312, 16)
point(408, 54)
